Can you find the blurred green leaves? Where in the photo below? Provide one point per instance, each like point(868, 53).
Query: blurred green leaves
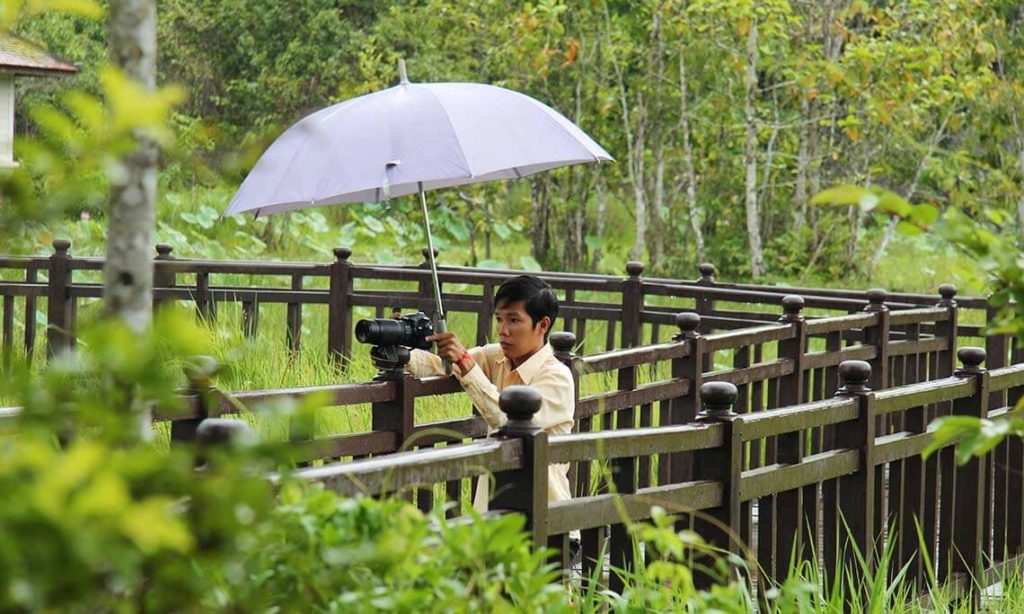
point(78, 150)
point(913, 219)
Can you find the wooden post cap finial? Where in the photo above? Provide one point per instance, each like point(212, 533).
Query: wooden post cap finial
point(634, 268)
point(519, 403)
point(854, 376)
point(971, 358)
point(562, 341)
point(221, 431)
point(877, 296)
point(717, 398)
point(61, 246)
point(792, 305)
point(342, 253)
point(200, 371)
point(688, 322)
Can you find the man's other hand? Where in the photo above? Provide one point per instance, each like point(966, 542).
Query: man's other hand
point(450, 348)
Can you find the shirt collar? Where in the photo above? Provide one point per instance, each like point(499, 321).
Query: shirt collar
point(528, 370)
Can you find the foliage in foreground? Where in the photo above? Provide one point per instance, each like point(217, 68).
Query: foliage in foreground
point(93, 517)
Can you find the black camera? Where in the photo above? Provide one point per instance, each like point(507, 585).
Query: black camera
point(392, 338)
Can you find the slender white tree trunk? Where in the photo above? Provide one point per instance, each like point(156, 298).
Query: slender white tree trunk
point(802, 162)
point(602, 208)
point(128, 272)
point(1020, 199)
point(693, 210)
point(750, 156)
point(128, 276)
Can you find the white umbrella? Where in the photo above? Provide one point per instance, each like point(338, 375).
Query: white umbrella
point(411, 138)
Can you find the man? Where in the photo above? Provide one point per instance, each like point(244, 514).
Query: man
point(525, 311)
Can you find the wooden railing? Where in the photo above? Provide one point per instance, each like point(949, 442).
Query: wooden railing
point(828, 502)
point(782, 466)
point(625, 311)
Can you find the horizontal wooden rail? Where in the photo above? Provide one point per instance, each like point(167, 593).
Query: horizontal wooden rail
point(632, 357)
point(825, 325)
point(750, 336)
point(897, 446)
point(613, 401)
point(600, 510)
point(774, 478)
point(606, 445)
point(904, 317)
point(1006, 377)
point(919, 395)
point(789, 419)
point(754, 373)
point(403, 469)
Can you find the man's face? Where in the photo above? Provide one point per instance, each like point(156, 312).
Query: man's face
point(518, 335)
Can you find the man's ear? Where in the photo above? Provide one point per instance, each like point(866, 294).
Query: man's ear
point(544, 324)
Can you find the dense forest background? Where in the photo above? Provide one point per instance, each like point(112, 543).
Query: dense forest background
point(725, 117)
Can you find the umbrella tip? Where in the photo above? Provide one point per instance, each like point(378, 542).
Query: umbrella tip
point(403, 78)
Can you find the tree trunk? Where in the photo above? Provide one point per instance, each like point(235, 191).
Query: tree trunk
point(635, 149)
point(657, 217)
point(128, 273)
point(802, 162)
point(1020, 199)
point(602, 208)
point(539, 208)
point(750, 156)
point(693, 211)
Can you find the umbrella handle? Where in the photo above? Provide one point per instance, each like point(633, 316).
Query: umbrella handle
point(442, 327)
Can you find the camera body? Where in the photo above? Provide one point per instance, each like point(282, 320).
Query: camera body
point(393, 338)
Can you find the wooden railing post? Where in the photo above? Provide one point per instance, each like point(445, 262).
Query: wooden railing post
point(849, 501)
point(944, 365)
point(200, 387)
point(219, 434)
point(339, 309)
point(563, 344)
point(524, 490)
point(161, 278)
point(58, 309)
point(678, 467)
point(968, 496)
point(632, 305)
point(795, 510)
point(705, 305)
point(684, 409)
point(720, 526)
point(878, 336)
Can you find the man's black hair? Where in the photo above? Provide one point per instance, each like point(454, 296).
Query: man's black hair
point(536, 294)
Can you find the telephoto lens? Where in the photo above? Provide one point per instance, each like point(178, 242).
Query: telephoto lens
point(381, 332)
point(408, 331)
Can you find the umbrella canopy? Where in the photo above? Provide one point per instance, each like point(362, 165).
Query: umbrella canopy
point(409, 138)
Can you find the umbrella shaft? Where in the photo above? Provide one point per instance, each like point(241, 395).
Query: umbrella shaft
point(442, 325)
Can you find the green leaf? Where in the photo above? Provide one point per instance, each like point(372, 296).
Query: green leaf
point(529, 264)
point(594, 242)
point(502, 230)
point(906, 228)
point(843, 195)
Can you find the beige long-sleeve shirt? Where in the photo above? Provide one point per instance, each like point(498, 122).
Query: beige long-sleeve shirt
point(491, 375)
